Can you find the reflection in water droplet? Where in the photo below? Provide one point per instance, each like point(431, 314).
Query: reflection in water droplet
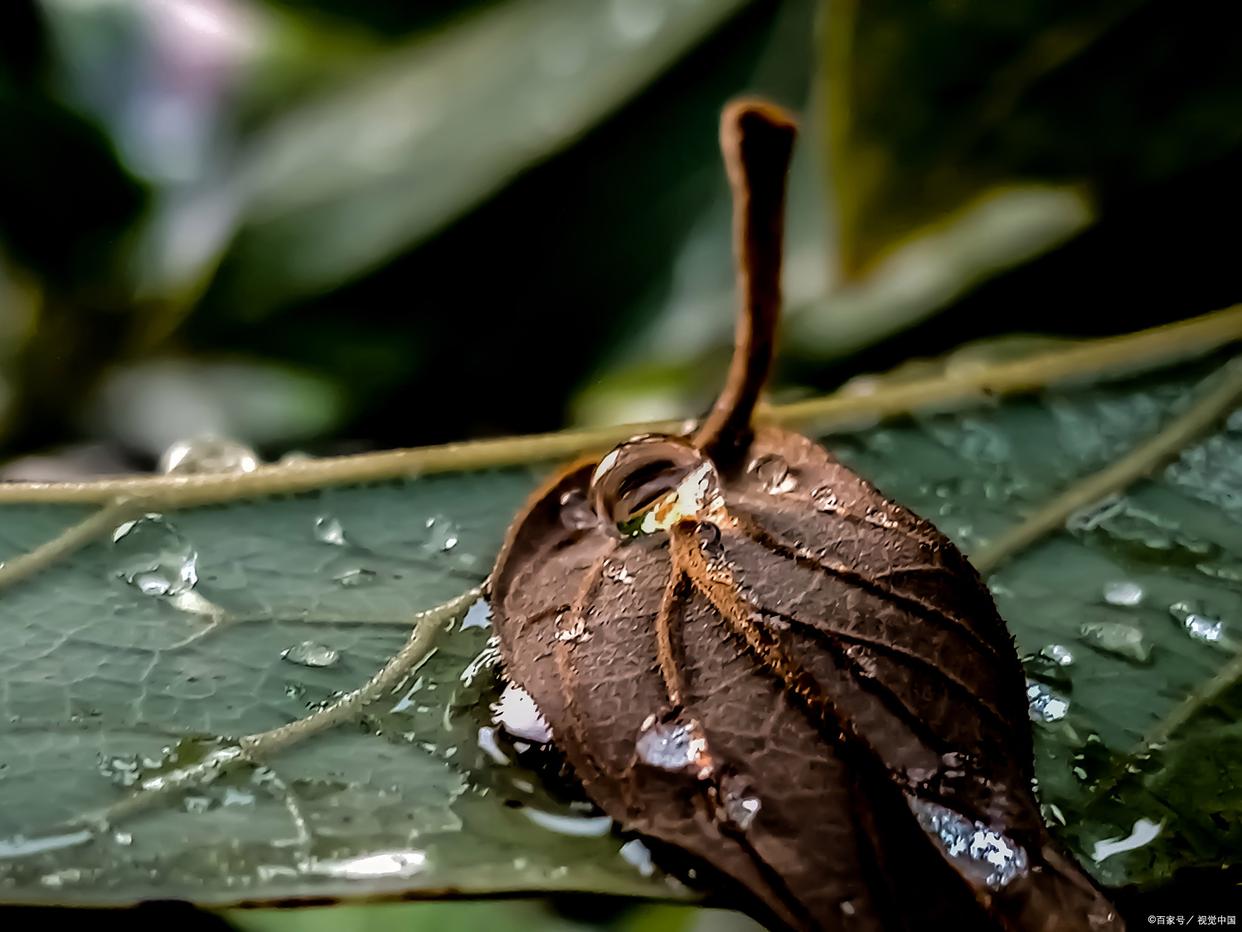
point(1144, 832)
point(311, 654)
point(155, 559)
point(1117, 638)
point(977, 849)
point(774, 474)
point(639, 855)
point(1123, 593)
point(1059, 654)
point(208, 455)
point(576, 513)
point(676, 746)
point(1198, 621)
point(515, 711)
point(649, 483)
point(1044, 705)
point(359, 576)
point(328, 530)
point(578, 826)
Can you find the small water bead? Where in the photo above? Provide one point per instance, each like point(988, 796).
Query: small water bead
point(311, 654)
point(207, 454)
point(124, 839)
point(328, 530)
point(774, 474)
point(1118, 638)
point(978, 849)
point(360, 576)
point(444, 534)
point(651, 482)
point(738, 804)
point(571, 628)
point(1123, 593)
point(576, 513)
point(639, 855)
point(1059, 654)
point(675, 746)
point(1044, 705)
point(1198, 621)
point(618, 573)
point(156, 559)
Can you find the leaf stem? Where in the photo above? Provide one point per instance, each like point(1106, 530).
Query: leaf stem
point(1214, 403)
point(1132, 353)
point(757, 141)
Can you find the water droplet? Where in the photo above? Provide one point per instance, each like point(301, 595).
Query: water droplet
point(124, 839)
point(576, 513)
point(774, 474)
point(382, 864)
point(1123, 593)
point(155, 559)
point(977, 849)
point(650, 483)
point(443, 534)
point(1118, 638)
point(487, 744)
point(738, 804)
point(311, 654)
point(1044, 705)
point(676, 746)
point(518, 715)
point(207, 454)
point(575, 825)
point(825, 498)
point(1059, 654)
point(196, 805)
point(359, 576)
point(639, 855)
point(328, 530)
point(1198, 621)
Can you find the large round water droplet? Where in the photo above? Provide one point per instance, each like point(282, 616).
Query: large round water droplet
point(650, 483)
point(1119, 638)
point(311, 654)
point(154, 557)
point(1123, 593)
point(328, 530)
point(207, 455)
point(1198, 621)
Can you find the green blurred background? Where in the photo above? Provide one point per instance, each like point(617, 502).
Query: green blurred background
point(335, 226)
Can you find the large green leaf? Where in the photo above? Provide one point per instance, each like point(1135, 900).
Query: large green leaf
point(108, 687)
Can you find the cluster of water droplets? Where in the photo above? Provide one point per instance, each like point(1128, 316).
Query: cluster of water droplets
point(976, 849)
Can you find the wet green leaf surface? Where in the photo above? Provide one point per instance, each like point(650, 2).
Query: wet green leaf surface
point(294, 599)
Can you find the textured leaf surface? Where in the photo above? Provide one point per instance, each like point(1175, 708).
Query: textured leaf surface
point(97, 676)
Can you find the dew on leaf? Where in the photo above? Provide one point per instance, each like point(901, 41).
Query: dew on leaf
point(154, 557)
point(207, 454)
point(675, 746)
point(328, 530)
point(358, 576)
point(1198, 621)
point(1118, 638)
point(1123, 593)
point(574, 825)
point(1045, 705)
point(1059, 654)
point(311, 654)
point(977, 849)
point(634, 852)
